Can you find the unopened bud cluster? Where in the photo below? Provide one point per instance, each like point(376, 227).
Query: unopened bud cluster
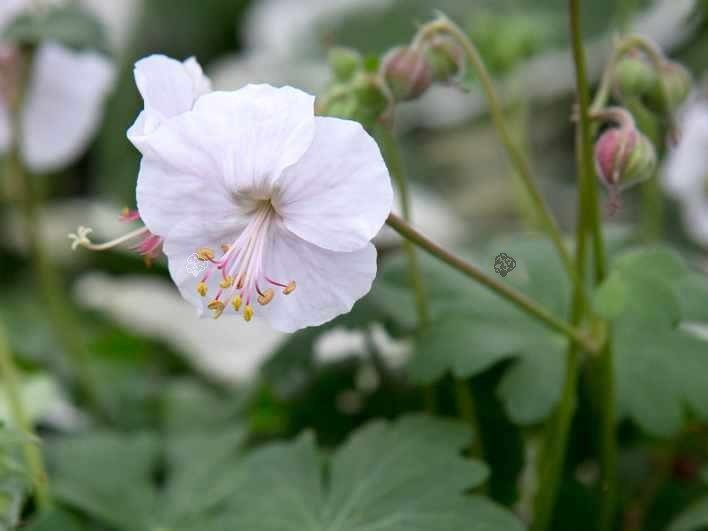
point(366, 90)
point(662, 87)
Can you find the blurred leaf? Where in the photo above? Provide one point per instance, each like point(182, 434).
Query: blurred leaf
point(55, 520)
point(694, 518)
point(14, 478)
point(93, 471)
point(473, 329)
point(404, 475)
point(69, 25)
point(389, 476)
point(659, 367)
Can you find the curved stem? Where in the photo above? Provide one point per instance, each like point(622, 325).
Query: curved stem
point(505, 291)
point(444, 25)
point(33, 456)
point(603, 365)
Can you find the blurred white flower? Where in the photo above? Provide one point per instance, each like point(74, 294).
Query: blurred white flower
point(169, 88)
point(341, 343)
point(152, 307)
point(63, 101)
point(290, 199)
point(685, 175)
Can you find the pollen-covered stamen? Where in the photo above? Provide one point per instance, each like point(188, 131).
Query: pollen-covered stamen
point(241, 267)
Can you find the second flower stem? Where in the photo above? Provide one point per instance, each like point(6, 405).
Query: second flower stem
point(33, 456)
point(505, 291)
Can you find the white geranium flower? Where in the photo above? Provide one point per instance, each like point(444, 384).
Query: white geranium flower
point(686, 172)
point(62, 104)
point(168, 88)
point(278, 205)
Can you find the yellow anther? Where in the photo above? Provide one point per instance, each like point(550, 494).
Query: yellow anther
point(236, 302)
point(266, 297)
point(225, 247)
point(248, 313)
point(125, 212)
point(287, 290)
point(205, 254)
point(217, 307)
point(202, 288)
point(227, 282)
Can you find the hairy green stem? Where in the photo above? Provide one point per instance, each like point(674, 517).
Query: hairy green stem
point(603, 365)
point(518, 159)
point(33, 456)
point(505, 291)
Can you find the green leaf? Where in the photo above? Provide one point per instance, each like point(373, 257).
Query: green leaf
point(407, 475)
point(14, 478)
point(69, 25)
point(660, 368)
point(54, 521)
point(92, 471)
point(474, 329)
point(694, 518)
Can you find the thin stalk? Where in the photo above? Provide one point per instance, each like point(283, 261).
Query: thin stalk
point(392, 156)
point(505, 291)
point(60, 314)
point(518, 159)
point(391, 153)
point(553, 452)
point(33, 456)
point(467, 411)
point(604, 364)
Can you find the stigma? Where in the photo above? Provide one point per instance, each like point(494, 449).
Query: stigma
point(238, 276)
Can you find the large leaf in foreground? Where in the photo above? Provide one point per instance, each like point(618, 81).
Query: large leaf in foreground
point(406, 475)
point(660, 367)
point(402, 476)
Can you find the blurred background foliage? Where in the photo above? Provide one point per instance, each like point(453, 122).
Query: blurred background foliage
point(168, 393)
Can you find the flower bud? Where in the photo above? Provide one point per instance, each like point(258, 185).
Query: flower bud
point(407, 73)
point(634, 76)
point(446, 58)
point(345, 62)
point(677, 84)
point(624, 156)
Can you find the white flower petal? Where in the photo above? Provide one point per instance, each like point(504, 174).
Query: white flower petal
point(686, 171)
point(338, 194)
point(10, 9)
point(180, 250)
point(328, 282)
point(167, 196)
point(265, 128)
point(169, 88)
point(63, 105)
point(695, 217)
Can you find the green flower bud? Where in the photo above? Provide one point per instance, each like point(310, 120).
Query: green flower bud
point(634, 76)
point(407, 73)
point(364, 100)
point(345, 62)
point(677, 84)
point(446, 58)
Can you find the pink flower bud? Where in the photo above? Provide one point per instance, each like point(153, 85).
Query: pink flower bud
point(623, 155)
point(407, 73)
point(446, 58)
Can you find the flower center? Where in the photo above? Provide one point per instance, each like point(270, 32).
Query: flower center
point(241, 272)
